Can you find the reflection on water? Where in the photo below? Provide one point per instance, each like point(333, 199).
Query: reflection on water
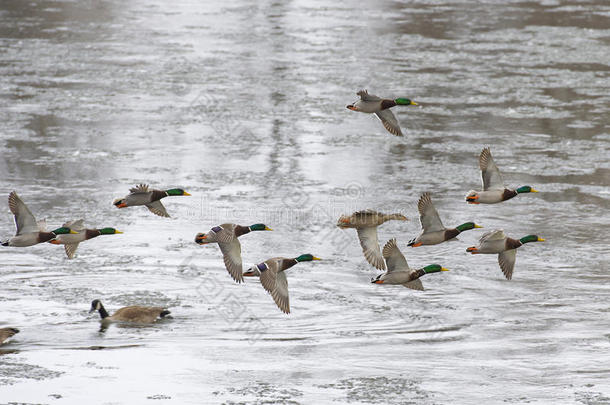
point(244, 106)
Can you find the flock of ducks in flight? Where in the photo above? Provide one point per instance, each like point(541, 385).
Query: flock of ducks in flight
point(272, 272)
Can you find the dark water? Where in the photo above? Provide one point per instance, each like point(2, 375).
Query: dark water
point(243, 104)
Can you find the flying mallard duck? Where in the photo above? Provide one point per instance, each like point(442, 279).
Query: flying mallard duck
point(226, 236)
point(71, 241)
point(369, 103)
point(273, 277)
point(29, 231)
point(141, 195)
point(6, 333)
point(366, 223)
point(399, 271)
point(496, 242)
point(494, 190)
point(433, 232)
point(132, 314)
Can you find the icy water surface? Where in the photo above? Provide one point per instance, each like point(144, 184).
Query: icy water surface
point(243, 104)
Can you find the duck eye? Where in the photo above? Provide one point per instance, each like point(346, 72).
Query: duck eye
point(216, 229)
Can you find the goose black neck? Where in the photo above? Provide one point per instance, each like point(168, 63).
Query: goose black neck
point(103, 312)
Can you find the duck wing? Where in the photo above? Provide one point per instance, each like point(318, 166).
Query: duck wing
point(365, 96)
point(415, 285)
point(393, 256)
point(24, 220)
point(389, 121)
point(370, 246)
point(231, 254)
point(157, 208)
point(428, 216)
point(490, 174)
point(506, 260)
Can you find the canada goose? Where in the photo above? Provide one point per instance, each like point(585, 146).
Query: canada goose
point(6, 333)
point(132, 314)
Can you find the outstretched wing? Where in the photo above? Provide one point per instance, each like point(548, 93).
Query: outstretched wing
point(496, 234)
point(389, 121)
point(231, 254)
point(415, 285)
point(269, 275)
point(370, 246)
point(393, 256)
point(365, 96)
point(428, 216)
point(77, 225)
point(490, 174)
point(280, 293)
point(70, 249)
point(506, 260)
point(24, 220)
point(140, 188)
point(157, 208)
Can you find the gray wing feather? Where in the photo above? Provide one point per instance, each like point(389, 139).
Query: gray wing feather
point(365, 96)
point(415, 285)
point(140, 188)
point(389, 122)
point(370, 246)
point(157, 208)
point(77, 225)
point(70, 249)
point(506, 260)
point(490, 174)
point(394, 257)
point(269, 276)
point(428, 216)
point(24, 220)
point(280, 293)
point(496, 234)
point(231, 254)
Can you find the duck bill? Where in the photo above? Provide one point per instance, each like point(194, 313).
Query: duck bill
point(534, 191)
point(444, 269)
point(268, 229)
point(414, 103)
point(201, 239)
point(185, 193)
point(477, 226)
point(316, 258)
point(117, 231)
point(541, 240)
point(73, 231)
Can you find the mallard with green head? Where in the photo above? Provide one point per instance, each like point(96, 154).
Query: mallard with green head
point(433, 232)
point(71, 241)
point(226, 236)
point(372, 104)
point(496, 242)
point(494, 190)
point(273, 277)
point(399, 271)
point(366, 222)
point(29, 231)
point(142, 195)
